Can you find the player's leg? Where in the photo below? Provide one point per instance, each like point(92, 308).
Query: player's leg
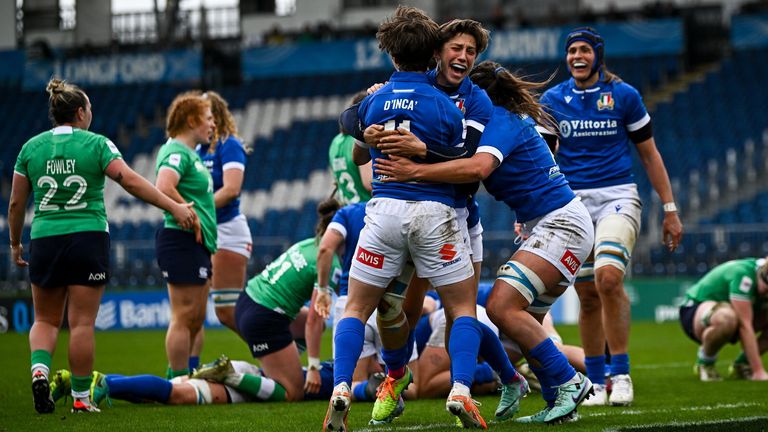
point(591, 332)
point(48, 304)
point(83, 306)
point(714, 324)
point(227, 283)
point(188, 304)
point(284, 366)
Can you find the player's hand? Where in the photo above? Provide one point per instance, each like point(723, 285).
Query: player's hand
point(672, 230)
point(404, 144)
point(323, 304)
point(374, 133)
point(198, 230)
point(374, 88)
point(396, 169)
point(312, 384)
point(16, 252)
point(184, 215)
point(759, 376)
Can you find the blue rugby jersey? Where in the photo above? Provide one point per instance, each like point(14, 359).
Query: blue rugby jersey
point(477, 107)
point(348, 221)
point(594, 144)
point(408, 100)
point(528, 180)
point(228, 154)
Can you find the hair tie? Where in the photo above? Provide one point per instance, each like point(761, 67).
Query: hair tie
point(499, 69)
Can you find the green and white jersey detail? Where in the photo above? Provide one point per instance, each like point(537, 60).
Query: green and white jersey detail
point(65, 167)
point(195, 185)
point(287, 283)
point(345, 171)
point(732, 280)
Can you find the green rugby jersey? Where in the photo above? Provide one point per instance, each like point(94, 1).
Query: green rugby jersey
point(195, 185)
point(732, 280)
point(287, 283)
point(345, 171)
point(65, 167)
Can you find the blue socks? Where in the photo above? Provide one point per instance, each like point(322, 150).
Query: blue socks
point(492, 351)
point(193, 362)
point(619, 364)
point(398, 358)
point(139, 388)
point(548, 391)
point(463, 347)
point(553, 362)
point(595, 368)
point(359, 392)
point(350, 334)
point(483, 373)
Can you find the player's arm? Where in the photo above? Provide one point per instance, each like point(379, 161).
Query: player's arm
point(403, 142)
point(360, 153)
point(748, 338)
point(329, 244)
point(233, 183)
point(366, 175)
point(313, 330)
point(20, 191)
point(142, 189)
point(465, 170)
point(672, 228)
point(349, 122)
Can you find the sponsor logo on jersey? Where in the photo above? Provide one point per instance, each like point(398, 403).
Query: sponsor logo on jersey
point(745, 285)
point(554, 172)
point(97, 276)
point(447, 252)
point(570, 262)
point(588, 128)
point(369, 258)
point(617, 207)
point(568, 99)
point(605, 102)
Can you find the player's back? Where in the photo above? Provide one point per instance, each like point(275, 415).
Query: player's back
point(66, 169)
point(410, 102)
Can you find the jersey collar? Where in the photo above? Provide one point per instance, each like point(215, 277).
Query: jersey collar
point(63, 130)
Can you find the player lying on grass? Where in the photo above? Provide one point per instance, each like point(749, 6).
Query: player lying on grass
point(220, 382)
point(729, 304)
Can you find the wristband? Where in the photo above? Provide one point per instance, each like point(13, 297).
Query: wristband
point(325, 289)
point(670, 207)
point(313, 363)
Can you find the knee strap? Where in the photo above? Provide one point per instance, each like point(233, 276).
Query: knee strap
point(203, 391)
point(614, 240)
point(225, 297)
point(390, 311)
point(523, 279)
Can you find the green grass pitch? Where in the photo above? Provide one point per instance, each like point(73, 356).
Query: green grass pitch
point(667, 394)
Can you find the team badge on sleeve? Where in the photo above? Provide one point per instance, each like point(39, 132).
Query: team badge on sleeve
point(605, 102)
point(112, 147)
point(174, 159)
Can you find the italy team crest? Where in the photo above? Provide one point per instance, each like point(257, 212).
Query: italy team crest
point(460, 105)
point(605, 102)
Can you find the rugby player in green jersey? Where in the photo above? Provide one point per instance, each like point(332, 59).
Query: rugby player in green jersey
point(729, 304)
point(184, 256)
point(64, 169)
point(273, 299)
point(353, 183)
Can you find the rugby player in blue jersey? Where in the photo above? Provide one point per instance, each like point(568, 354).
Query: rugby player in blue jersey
point(461, 41)
point(409, 219)
point(600, 119)
point(516, 166)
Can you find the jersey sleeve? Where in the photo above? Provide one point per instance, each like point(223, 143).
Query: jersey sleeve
point(108, 152)
point(176, 161)
point(499, 138)
point(232, 154)
point(21, 161)
point(340, 222)
point(741, 287)
point(635, 114)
